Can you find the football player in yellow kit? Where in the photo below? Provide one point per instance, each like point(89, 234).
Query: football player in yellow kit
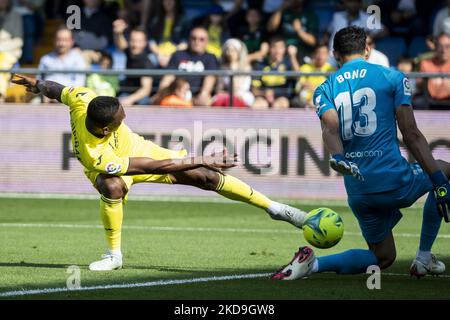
point(114, 158)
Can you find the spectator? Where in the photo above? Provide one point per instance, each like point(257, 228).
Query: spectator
point(217, 30)
point(234, 58)
point(96, 27)
point(104, 85)
point(33, 23)
point(298, 25)
point(429, 54)
point(307, 84)
point(177, 94)
point(11, 31)
point(137, 12)
point(11, 42)
point(236, 15)
point(64, 57)
point(437, 88)
point(439, 21)
point(403, 19)
point(134, 89)
point(275, 90)
point(269, 7)
point(406, 65)
point(168, 31)
point(195, 59)
point(375, 56)
point(254, 36)
point(353, 15)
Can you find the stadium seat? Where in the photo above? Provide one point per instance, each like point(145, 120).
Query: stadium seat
point(417, 46)
point(392, 47)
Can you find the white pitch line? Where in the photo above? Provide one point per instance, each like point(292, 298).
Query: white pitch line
point(158, 283)
point(192, 229)
point(181, 198)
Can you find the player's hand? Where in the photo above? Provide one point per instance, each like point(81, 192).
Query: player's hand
point(29, 82)
point(340, 164)
point(220, 161)
point(442, 194)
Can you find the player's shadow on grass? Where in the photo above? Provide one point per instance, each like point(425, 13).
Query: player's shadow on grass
point(38, 265)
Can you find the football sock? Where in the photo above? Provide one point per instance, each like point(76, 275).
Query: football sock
point(234, 189)
point(431, 222)
point(423, 256)
point(348, 262)
point(111, 211)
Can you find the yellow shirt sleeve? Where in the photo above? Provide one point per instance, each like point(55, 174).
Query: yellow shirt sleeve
point(109, 163)
point(77, 98)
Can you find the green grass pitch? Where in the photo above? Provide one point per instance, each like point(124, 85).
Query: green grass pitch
point(164, 241)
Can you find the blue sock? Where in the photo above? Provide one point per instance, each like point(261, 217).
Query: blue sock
point(431, 222)
point(348, 262)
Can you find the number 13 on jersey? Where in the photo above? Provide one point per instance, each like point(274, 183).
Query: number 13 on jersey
point(362, 122)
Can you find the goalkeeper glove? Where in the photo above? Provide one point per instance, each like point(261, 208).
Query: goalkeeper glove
point(342, 165)
point(442, 193)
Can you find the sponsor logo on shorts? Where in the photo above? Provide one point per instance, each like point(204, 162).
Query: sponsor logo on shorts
point(112, 167)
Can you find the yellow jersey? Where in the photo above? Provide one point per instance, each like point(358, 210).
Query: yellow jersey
point(108, 155)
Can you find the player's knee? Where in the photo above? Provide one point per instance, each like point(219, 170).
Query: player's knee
point(206, 179)
point(112, 187)
point(387, 259)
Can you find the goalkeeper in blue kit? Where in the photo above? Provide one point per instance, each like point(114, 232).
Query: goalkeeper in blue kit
point(360, 107)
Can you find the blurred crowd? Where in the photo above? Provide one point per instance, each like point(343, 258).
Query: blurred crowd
point(237, 35)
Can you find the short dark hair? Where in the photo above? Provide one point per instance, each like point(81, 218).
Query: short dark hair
point(276, 38)
point(139, 29)
point(106, 55)
point(320, 45)
point(102, 109)
point(63, 27)
point(350, 40)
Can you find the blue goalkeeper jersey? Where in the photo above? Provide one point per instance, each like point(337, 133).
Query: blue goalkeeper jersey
point(365, 97)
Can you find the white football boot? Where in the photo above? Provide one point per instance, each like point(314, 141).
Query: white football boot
point(289, 214)
point(300, 266)
point(109, 262)
point(434, 267)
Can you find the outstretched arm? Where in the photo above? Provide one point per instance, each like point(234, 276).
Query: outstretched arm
point(218, 163)
point(50, 89)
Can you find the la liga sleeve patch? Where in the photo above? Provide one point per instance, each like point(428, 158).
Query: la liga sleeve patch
point(112, 167)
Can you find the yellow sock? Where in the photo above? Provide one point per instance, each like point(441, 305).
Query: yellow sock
point(234, 189)
point(111, 211)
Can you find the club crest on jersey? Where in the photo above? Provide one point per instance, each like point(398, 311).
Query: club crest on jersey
point(406, 87)
point(112, 167)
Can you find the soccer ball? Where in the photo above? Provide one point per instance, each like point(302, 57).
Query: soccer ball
point(323, 228)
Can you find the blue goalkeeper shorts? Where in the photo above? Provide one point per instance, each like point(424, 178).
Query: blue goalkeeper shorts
point(378, 213)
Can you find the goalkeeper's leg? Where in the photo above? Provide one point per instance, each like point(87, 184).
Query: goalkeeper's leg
point(233, 188)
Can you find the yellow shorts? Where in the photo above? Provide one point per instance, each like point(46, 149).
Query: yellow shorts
point(145, 149)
